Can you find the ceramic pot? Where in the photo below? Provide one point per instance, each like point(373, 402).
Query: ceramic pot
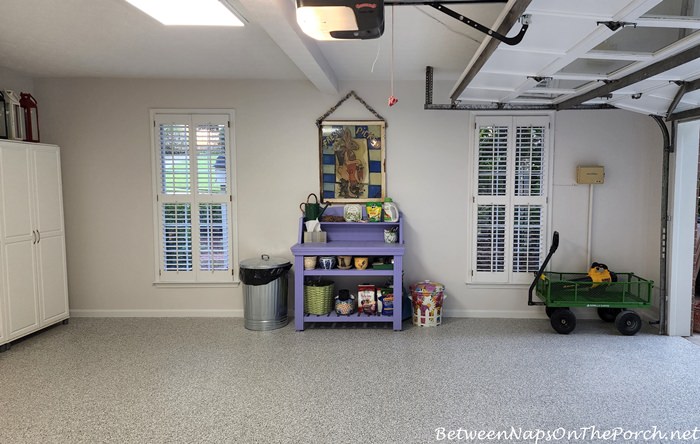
point(327, 262)
point(344, 303)
point(344, 262)
point(309, 262)
point(361, 262)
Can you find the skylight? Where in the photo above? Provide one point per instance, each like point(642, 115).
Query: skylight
point(189, 12)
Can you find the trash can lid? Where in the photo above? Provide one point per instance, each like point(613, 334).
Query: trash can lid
point(264, 262)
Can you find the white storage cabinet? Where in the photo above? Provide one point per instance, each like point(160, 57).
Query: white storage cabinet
point(33, 290)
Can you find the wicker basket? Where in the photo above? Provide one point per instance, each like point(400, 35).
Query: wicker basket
point(318, 297)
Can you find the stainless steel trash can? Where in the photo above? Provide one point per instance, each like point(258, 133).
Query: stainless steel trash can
point(265, 292)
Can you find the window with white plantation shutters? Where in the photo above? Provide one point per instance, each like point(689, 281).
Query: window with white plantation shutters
point(174, 141)
point(509, 205)
point(194, 199)
point(493, 161)
point(213, 237)
point(491, 238)
point(529, 161)
point(211, 159)
point(177, 237)
point(528, 238)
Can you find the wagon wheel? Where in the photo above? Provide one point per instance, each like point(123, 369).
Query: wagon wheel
point(628, 322)
point(550, 310)
point(608, 314)
point(563, 321)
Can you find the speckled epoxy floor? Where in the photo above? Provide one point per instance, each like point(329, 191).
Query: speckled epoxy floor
point(174, 380)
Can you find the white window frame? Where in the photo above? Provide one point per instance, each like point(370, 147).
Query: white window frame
point(196, 276)
point(508, 276)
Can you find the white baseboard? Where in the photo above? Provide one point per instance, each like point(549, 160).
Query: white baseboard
point(79, 313)
point(505, 314)
point(238, 313)
point(515, 314)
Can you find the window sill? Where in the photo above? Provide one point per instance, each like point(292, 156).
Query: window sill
point(498, 285)
point(197, 284)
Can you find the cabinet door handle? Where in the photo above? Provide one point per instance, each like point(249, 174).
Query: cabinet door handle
point(33, 237)
point(38, 236)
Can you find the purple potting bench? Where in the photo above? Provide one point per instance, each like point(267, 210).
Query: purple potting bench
point(348, 239)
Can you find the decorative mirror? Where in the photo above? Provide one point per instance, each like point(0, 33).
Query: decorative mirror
point(352, 161)
point(352, 157)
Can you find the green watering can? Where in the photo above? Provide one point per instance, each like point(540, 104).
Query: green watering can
point(312, 210)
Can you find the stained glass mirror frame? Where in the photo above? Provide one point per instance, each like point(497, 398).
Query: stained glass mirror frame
point(352, 160)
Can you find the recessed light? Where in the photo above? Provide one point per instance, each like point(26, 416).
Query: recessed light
point(318, 23)
point(341, 19)
point(189, 12)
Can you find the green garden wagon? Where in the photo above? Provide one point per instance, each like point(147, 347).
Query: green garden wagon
point(614, 301)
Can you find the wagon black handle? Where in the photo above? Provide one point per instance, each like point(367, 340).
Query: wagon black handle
point(538, 275)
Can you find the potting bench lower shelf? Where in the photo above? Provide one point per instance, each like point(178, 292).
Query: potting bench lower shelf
point(333, 317)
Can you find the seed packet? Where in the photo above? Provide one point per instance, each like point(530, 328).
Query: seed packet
point(374, 211)
point(366, 302)
point(387, 302)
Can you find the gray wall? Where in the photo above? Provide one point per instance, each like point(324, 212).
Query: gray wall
point(15, 81)
point(103, 129)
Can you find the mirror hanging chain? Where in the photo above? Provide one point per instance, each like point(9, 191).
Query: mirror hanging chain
point(347, 96)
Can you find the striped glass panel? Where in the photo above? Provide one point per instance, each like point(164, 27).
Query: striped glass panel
point(211, 159)
point(529, 161)
point(527, 237)
point(491, 238)
point(174, 158)
point(177, 237)
point(213, 237)
point(492, 160)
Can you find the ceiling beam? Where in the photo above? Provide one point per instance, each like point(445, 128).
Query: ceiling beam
point(278, 19)
point(685, 87)
point(516, 10)
point(643, 74)
point(677, 98)
point(667, 22)
point(687, 114)
point(692, 85)
point(506, 107)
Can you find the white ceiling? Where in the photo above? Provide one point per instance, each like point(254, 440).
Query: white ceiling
point(565, 53)
point(111, 38)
